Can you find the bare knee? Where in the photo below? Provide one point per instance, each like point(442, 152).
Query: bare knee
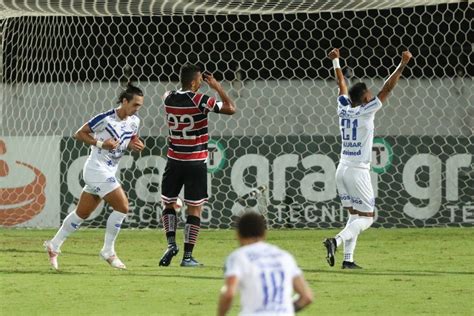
point(173, 206)
point(84, 214)
point(118, 200)
point(87, 204)
point(122, 208)
point(194, 210)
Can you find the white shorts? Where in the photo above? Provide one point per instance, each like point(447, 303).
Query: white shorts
point(99, 182)
point(355, 188)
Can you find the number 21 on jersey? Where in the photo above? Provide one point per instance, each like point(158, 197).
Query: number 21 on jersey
point(349, 129)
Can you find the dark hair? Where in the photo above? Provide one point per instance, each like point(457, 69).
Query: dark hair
point(251, 225)
point(356, 92)
point(129, 92)
point(187, 74)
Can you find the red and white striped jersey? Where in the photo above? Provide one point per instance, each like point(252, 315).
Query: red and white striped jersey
point(186, 114)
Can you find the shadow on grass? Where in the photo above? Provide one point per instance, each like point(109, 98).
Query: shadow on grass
point(390, 272)
point(163, 274)
point(126, 273)
point(42, 272)
point(196, 277)
point(14, 250)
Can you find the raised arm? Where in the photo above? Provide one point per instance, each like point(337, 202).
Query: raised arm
point(334, 55)
point(228, 106)
point(391, 82)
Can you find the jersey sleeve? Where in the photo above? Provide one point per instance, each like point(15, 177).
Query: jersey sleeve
point(234, 266)
point(209, 104)
point(98, 122)
point(371, 107)
point(343, 102)
point(293, 267)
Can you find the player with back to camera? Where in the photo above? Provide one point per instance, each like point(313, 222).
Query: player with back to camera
point(187, 113)
point(109, 134)
point(265, 275)
point(356, 111)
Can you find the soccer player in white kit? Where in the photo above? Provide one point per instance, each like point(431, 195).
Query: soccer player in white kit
point(356, 110)
point(110, 134)
point(265, 275)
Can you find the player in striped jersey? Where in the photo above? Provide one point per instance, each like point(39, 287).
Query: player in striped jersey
point(356, 111)
point(187, 113)
point(114, 131)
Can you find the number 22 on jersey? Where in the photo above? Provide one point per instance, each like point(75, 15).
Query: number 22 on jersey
point(184, 119)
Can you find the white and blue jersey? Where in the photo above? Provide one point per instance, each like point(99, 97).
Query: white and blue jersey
point(265, 274)
point(108, 125)
point(357, 131)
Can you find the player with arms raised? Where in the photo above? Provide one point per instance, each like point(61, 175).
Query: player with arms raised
point(356, 111)
point(186, 112)
point(109, 134)
point(265, 275)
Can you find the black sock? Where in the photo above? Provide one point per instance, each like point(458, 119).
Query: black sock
point(169, 223)
point(191, 232)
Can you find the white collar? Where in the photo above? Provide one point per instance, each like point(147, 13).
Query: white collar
point(183, 92)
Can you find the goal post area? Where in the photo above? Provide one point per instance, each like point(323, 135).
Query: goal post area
point(65, 62)
point(14, 8)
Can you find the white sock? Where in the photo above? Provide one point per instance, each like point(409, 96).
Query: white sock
point(114, 222)
point(351, 218)
point(70, 224)
point(349, 246)
point(353, 230)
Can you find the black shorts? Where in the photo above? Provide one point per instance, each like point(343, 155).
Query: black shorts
point(192, 176)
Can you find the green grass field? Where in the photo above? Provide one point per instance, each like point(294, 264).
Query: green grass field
point(406, 272)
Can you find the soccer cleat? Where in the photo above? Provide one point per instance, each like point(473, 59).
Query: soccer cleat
point(113, 260)
point(53, 255)
point(331, 247)
point(190, 262)
point(170, 252)
point(350, 265)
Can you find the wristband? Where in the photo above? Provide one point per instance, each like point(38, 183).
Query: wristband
point(335, 63)
point(99, 144)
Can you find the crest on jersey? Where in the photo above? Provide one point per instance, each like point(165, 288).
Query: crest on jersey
point(134, 126)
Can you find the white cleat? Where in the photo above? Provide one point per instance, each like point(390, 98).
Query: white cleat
point(113, 260)
point(53, 255)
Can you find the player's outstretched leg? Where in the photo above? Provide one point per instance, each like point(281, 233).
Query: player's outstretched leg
point(70, 224)
point(191, 232)
point(170, 222)
point(331, 247)
point(114, 222)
